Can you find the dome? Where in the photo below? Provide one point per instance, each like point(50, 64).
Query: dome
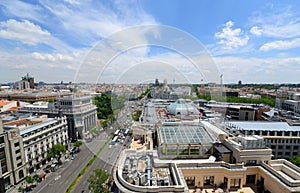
point(180, 107)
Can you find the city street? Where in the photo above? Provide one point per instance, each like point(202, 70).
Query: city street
point(60, 180)
point(110, 153)
point(104, 161)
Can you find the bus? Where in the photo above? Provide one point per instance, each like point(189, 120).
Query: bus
point(117, 132)
point(126, 132)
point(114, 140)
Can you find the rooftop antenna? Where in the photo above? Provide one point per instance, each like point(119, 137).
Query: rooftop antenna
point(221, 80)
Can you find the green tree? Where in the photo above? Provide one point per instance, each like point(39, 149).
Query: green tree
point(104, 123)
point(136, 115)
point(103, 104)
point(56, 151)
point(9, 98)
point(97, 181)
point(78, 144)
point(29, 180)
point(35, 178)
point(51, 100)
point(295, 160)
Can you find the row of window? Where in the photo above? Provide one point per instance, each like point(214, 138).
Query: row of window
point(274, 133)
point(290, 141)
point(288, 153)
point(209, 181)
point(44, 136)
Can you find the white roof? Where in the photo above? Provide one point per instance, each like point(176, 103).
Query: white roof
point(261, 125)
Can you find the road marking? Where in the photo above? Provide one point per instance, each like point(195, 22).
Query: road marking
point(57, 177)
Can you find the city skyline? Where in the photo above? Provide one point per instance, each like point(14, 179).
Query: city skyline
point(255, 42)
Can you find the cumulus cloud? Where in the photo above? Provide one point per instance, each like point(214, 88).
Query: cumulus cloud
point(256, 31)
point(231, 38)
point(281, 45)
point(52, 57)
point(24, 31)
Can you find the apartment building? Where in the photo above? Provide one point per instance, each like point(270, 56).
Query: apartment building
point(38, 135)
point(24, 145)
point(282, 138)
point(12, 158)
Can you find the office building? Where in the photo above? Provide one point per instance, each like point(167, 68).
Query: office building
point(81, 113)
point(282, 138)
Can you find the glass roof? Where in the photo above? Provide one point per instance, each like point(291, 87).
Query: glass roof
point(184, 135)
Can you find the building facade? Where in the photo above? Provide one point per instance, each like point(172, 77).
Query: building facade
point(12, 158)
point(81, 113)
point(282, 138)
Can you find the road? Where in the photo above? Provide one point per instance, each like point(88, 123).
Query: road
point(110, 153)
point(60, 180)
point(105, 161)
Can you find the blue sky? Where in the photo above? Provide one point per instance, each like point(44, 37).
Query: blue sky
point(254, 41)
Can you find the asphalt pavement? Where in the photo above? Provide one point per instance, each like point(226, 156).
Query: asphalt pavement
point(60, 180)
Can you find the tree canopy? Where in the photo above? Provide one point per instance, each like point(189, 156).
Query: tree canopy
point(107, 106)
point(78, 144)
point(97, 181)
point(295, 160)
point(56, 151)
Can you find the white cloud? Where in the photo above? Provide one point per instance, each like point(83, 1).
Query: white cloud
point(89, 22)
point(279, 23)
point(73, 2)
point(256, 30)
point(30, 34)
point(52, 57)
point(23, 10)
point(281, 45)
point(24, 31)
point(259, 70)
point(231, 38)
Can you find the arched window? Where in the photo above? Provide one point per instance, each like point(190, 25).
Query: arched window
point(21, 174)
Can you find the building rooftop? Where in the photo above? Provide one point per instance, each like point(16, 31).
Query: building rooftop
point(2, 103)
point(184, 135)
point(263, 126)
point(38, 126)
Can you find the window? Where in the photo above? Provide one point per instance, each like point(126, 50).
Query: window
point(21, 174)
point(208, 180)
point(235, 183)
point(251, 162)
point(1, 139)
point(247, 116)
point(190, 180)
point(250, 179)
point(17, 144)
point(18, 151)
point(19, 157)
